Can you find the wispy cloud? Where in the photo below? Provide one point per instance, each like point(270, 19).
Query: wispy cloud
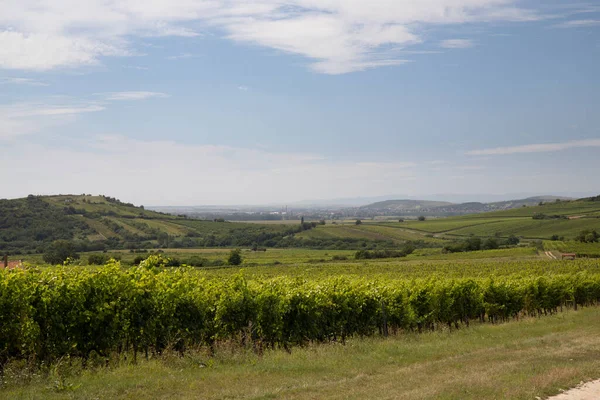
point(101, 161)
point(182, 56)
point(536, 148)
point(579, 23)
point(457, 43)
point(130, 96)
point(25, 118)
point(138, 67)
point(21, 81)
point(336, 36)
point(243, 88)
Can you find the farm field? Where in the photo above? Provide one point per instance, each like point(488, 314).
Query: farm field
point(306, 257)
point(581, 249)
point(530, 228)
point(315, 306)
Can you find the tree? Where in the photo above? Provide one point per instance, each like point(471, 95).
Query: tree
point(588, 236)
point(358, 222)
point(473, 244)
point(302, 221)
point(490, 244)
point(235, 257)
point(421, 218)
point(97, 259)
point(59, 251)
point(400, 220)
point(512, 240)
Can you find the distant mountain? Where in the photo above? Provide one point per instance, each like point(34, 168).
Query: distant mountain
point(427, 207)
point(406, 205)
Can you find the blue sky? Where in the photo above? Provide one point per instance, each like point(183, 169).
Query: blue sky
point(244, 102)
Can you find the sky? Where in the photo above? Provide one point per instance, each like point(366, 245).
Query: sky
point(194, 102)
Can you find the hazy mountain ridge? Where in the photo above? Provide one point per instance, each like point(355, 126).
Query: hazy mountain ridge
point(428, 206)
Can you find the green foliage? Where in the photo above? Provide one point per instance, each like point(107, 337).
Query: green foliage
point(358, 222)
point(421, 218)
point(59, 251)
point(588, 236)
point(98, 259)
point(490, 244)
point(512, 240)
point(46, 314)
point(235, 257)
point(373, 254)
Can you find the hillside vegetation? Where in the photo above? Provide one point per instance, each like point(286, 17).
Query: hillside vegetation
point(96, 223)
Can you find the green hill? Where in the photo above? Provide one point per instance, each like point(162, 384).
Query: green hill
point(102, 222)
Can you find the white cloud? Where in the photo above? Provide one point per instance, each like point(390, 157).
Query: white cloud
point(182, 56)
point(338, 36)
point(42, 51)
point(243, 88)
point(25, 118)
point(210, 174)
point(138, 67)
point(536, 148)
point(579, 23)
point(21, 81)
point(457, 43)
point(130, 96)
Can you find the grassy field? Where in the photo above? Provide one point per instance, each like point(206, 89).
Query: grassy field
point(308, 257)
point(581, 249)
point(517, 360)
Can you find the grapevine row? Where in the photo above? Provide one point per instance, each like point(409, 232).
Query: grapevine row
point(50, 313)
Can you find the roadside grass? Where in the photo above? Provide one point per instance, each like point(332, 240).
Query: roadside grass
point(517, 360)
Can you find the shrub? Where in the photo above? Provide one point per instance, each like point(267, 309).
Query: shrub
point(59, 251)
point(235, 257)
point(421, 218)
point(97, 259)
point(512, 240)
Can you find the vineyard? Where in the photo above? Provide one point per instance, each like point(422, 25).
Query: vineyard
point(591, 250)
point(50, 313)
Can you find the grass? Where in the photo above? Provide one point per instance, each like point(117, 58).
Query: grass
point(581, 249)
point(368, 231)
point(517, 360)
point(531, 228)
point(441, 225)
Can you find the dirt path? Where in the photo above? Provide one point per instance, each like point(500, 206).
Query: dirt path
point(552, 256)
point(588, 391)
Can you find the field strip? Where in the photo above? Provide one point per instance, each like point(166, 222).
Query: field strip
point(587, 391)
point(550, 255)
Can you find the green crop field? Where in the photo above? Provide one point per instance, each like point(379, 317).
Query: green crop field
point(531, 228)
point(581, 249)
point(568, 208)
point(441, 225)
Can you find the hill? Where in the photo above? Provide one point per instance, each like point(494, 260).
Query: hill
point(405, 205)
point(102, 222)
point(441, 208)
